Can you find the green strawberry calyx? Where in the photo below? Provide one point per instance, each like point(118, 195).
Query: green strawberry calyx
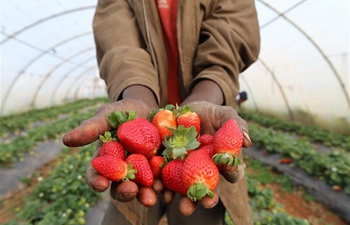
point(226, 158)
point(120, 117)
point(169, 107)
point(183, 139)
point(130, 175)
point(183, 110)
point(107, 137)
point(198, 191)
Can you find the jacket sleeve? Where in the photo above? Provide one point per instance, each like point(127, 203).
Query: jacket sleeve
point(229, 43)
point(120, 49)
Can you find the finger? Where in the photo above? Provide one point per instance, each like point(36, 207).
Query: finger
point(186, 205)
point(158, 186)
point(89, 130)
point(124, 191)
point(232, 173)
point(168, 196)
point(247, 142)
point(209, 202)
point(95, 181)
point(147, 196)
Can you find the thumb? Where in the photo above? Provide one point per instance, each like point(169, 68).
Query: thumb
point(88, 131)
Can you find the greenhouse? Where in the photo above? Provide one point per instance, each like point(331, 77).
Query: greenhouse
point(296, 105)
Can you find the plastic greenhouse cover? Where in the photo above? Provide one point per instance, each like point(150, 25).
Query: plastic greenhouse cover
point(302, 72)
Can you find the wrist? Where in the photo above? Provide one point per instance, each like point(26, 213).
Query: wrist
point(142, 93)
point(206, 90)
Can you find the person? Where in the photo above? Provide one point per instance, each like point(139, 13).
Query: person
point(154, 53)
point(242, 97)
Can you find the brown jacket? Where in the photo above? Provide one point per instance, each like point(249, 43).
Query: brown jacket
point(217, 40)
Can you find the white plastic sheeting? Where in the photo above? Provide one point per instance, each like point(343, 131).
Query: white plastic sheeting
point(48, 58)
point(48, 54)
point(303, 69)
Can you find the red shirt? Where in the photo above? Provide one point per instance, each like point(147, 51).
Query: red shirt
point(167, 10)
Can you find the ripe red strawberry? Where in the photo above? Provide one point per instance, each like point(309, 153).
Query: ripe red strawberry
point(111, 146)
point(199, 175)
point(163, 119)
point(137, 135)
point(205, 139)
point(227, 143)
point(144, 175)
point(171, 176)
point(156, 162)
point(180, 143)
point(187, 117)
point(285, 161)
point(113, 168)
point(209, 149)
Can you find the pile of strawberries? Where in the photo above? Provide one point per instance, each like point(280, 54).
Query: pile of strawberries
point(170, 148)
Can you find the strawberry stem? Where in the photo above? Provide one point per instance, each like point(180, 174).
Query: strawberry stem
point(198, 191)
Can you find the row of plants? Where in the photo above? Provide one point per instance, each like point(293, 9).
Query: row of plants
point(315, 134)
point(63, 198)
point(23, 121)
point(13, 150)
point(332, 167)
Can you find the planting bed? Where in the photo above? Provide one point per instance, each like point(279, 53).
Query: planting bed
point(337, 201)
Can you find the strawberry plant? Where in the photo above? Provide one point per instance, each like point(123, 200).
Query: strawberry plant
point(332, 167)
point(15, 149)
point(24, 120)
point(62, 198)
point(327, 137)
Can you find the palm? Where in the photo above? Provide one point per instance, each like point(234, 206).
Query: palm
point(214, 116)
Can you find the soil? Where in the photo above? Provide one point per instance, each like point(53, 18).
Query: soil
point(295, 205)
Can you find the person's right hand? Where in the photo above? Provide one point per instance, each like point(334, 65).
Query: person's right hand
point(89, 131)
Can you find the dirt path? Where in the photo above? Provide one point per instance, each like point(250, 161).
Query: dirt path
point(296, 205)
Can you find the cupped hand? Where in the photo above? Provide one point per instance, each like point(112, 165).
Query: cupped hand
point(89, 131)
point(212, 117)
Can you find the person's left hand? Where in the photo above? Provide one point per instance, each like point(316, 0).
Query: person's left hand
point(212, 117)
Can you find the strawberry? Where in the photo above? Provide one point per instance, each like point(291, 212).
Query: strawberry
point(171, 176)
point(209, 149)
point(187, 117)
point(137, 135)
point(163, 119)
point(227, 143)
point(144, 175)
point(156, 162)
point(199, 175)
point(336, 188)
point(113, 168)
point(285, 161)
point(182, 140)
point(205, 139)
point(111, 146)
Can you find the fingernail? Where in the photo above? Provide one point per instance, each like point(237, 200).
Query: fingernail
point(246, 136)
